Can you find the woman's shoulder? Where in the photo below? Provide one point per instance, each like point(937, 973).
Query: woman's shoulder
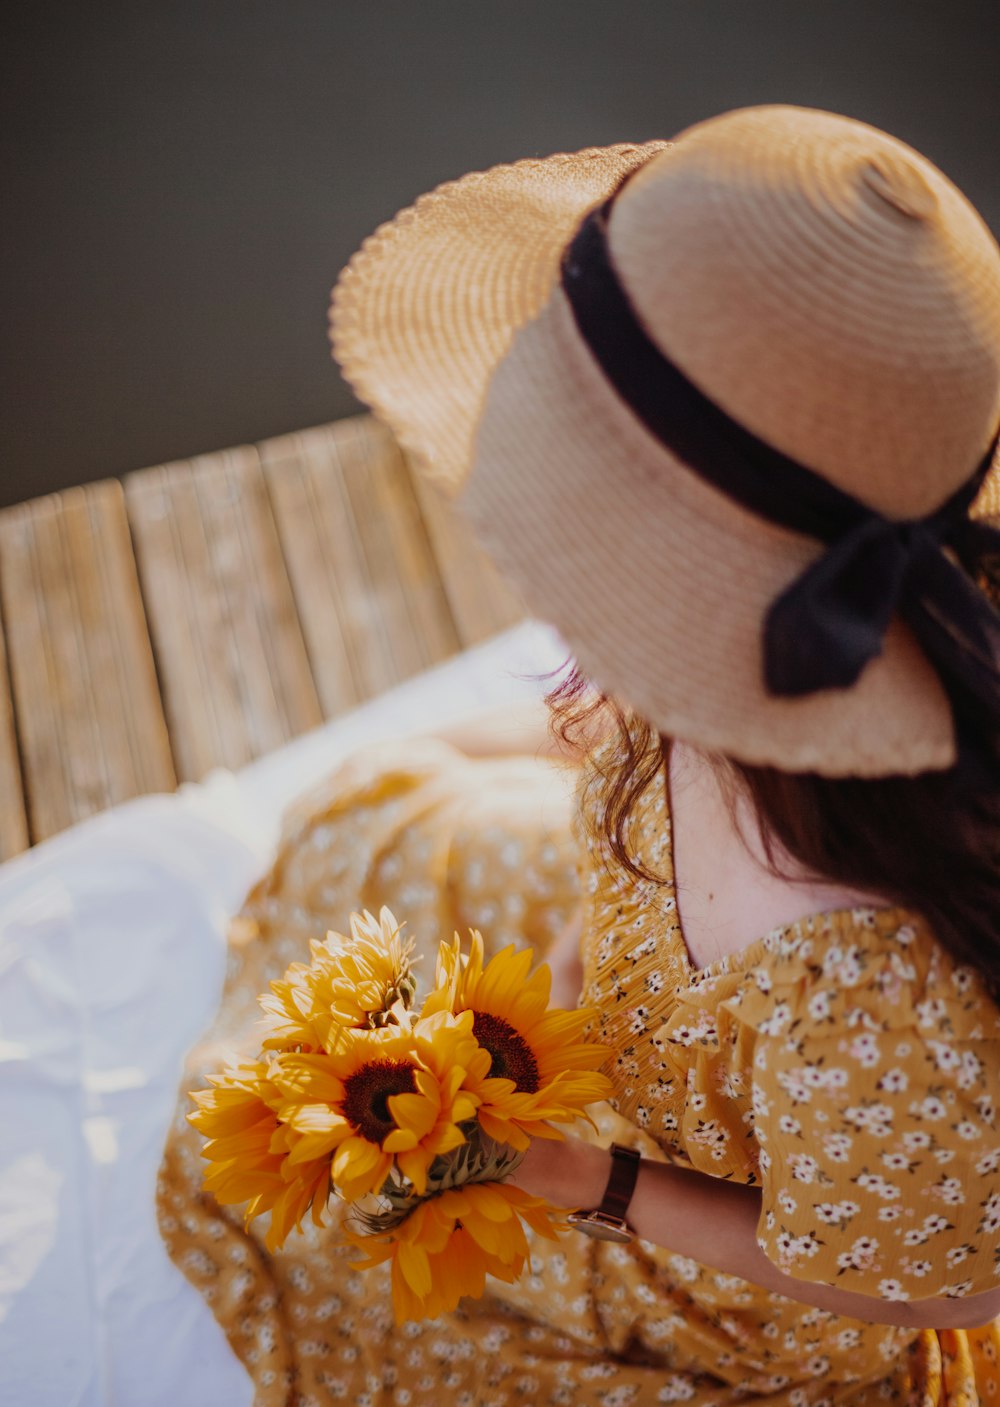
point(864, 970)
point(876, 1101)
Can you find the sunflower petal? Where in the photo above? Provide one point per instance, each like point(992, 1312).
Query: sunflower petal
point(415, 1268)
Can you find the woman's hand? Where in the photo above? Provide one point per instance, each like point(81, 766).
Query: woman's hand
point(569, 1173)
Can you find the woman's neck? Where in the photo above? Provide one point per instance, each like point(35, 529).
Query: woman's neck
point(726, 896)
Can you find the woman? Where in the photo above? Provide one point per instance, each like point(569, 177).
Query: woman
point(724, 409)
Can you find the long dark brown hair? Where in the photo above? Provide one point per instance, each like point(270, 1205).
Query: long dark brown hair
point(929, 843)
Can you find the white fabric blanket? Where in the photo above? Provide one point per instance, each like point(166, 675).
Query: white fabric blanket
point(111, 965)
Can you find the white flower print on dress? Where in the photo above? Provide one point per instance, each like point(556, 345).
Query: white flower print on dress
point(931, 1013)
point(804, 1167)
point(971, 1071)
point(946, 1057)
point(936, 1223)
point(898, 1162)
point(711, 1135)
point(880, 1186)
point(688, 1269)
point(837, 1146)
point(931, 1108)
point(795, 1086)
point(820, 1006)
point(894, 1081)
point(932, 1226)
point(791, 1249)
point(836, 1213)
point(843, 966)
point(678, 1388)
point(873, 1118)
point(990, 1220)
point(863, 1255)
point(865, 1050)
point(833, 1077)
point(779, 1018)
point(985, 1108)
point(760, 1104)
point(701, 1032)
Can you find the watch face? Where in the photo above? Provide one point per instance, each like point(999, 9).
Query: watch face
point(601, 1226)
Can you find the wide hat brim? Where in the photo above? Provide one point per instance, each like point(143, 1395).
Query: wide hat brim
point(449, 322)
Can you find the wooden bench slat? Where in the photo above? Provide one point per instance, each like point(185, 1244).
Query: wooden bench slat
point(171, 596)
point(369, 593)
point(144, 739)
point(114, 643)
point(14, 836)
point(320, 551)
point(236, 677)
point(403, 572)
point(84, 685)
point(34, 674)
point(207, 611)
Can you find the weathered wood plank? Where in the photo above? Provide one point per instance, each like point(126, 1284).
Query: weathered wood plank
point(14, 835)
point(282, 584)
point(369, 593)
point(235, 674)
point(88, 711)
point(482, 603)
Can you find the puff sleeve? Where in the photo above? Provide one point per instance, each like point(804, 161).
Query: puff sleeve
point(875, 1081)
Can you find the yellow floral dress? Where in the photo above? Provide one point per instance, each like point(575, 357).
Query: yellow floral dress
point(845, 1064)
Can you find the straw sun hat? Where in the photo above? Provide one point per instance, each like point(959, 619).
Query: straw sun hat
point(724, 410)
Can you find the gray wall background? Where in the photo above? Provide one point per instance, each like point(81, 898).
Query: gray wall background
point(183, 180)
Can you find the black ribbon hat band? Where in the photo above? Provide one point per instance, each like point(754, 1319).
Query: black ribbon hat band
point(824, 628)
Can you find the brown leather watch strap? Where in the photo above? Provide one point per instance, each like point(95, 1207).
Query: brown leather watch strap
point(621, 1181)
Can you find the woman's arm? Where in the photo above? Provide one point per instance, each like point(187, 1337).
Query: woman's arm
point(522, 729)
point(714, 1222)
point(506, 729)
point(563, 961)
point(516, 728)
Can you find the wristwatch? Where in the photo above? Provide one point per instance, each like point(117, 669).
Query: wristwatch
point(607, 1222)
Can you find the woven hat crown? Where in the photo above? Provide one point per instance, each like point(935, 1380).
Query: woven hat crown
point(829, 288)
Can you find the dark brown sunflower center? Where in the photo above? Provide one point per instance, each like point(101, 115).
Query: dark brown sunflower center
point(511, 1056)
point(367, 1093)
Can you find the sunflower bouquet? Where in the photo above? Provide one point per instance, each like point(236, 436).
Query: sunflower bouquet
point(413, 1113)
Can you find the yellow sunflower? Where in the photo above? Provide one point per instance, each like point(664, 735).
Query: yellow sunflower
point(427, 1121)
point(448, 1244)
point(359, 981)
point(540, 1069)
point(373, 1097)
point(248, 1151)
